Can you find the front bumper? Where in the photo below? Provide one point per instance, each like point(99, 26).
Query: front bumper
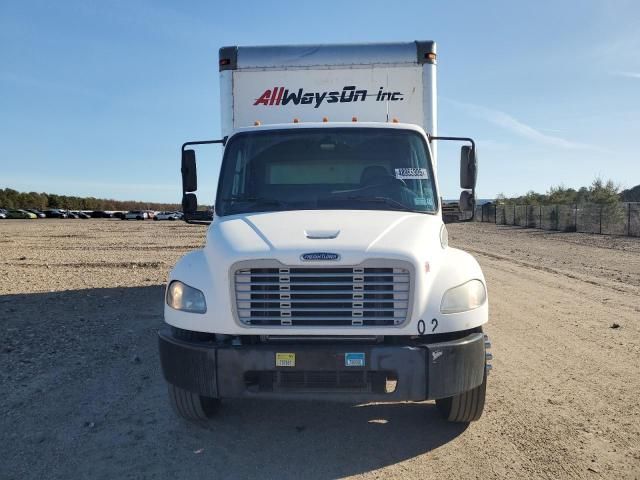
point(420, 371)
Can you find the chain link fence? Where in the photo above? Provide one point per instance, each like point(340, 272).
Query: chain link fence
point(620, 219)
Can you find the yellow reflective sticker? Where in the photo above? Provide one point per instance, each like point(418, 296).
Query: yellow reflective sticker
point(285, 359)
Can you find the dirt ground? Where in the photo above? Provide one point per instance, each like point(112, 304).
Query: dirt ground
point(81, 393)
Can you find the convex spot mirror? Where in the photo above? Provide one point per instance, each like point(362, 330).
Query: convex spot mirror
point(468, 167)
point(189, 204)
point(188, 169)
point(467, 201)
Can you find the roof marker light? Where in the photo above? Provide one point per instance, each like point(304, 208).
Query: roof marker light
point(354, 119)
point(257, 123)
point(394, 120)
point(430, 56)
point(325, 119)
point(296, 120)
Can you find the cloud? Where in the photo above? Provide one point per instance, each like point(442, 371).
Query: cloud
point(512, 124)
point(627, 74)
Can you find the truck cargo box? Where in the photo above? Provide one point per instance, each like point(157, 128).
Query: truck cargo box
point(376, 82)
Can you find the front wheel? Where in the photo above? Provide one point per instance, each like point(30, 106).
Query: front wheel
point(191, 405)
point(466, 406)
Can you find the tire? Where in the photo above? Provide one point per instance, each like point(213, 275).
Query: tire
point(465, 407)
point(192, 406)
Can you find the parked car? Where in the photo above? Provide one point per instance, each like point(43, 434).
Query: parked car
point(3, 213)
point(80, 214)
point(71, 214)
point(37, 213)
point(101, 214)
point(120, 215)
point(136, 215)
point(167, 216)
point(55, 213)
point(20, 214)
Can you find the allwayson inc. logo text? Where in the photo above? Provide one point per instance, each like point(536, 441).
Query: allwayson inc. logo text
point(284, 96)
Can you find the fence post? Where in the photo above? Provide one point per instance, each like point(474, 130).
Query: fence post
point(540, 218)
point(482, 214)
point(600, 219)
point(575, 217)
point(514, 214)
point(526, 216)
point(628, 219)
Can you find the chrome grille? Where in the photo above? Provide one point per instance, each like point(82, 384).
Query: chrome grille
point(322, 296)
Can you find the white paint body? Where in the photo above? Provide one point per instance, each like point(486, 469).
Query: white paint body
point(363, 234)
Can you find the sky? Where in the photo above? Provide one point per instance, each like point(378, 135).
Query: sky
point(97, 97)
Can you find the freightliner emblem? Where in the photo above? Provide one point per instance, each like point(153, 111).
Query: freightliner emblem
point(321, 256)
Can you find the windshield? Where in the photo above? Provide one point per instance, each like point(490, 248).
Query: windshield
point(322, 169)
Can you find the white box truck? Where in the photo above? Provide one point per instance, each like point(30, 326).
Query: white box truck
point(326, 272)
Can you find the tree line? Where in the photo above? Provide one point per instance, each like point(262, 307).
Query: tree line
point(10, 198)
point(600, 192)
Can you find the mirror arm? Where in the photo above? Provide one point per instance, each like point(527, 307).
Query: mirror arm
point(223, 141)
point(455, 139)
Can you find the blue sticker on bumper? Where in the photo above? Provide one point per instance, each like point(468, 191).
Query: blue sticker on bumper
point(354, 359)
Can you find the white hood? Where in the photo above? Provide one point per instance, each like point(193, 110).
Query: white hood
point(353, 234)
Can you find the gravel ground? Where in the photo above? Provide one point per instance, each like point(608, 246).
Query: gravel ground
point(82, 395)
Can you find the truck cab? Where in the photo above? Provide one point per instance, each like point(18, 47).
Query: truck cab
point(326, 272)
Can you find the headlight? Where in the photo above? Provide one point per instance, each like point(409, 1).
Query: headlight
point(467, 296)
point(183, 297)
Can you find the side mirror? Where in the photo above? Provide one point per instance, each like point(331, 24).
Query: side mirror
point(468, 167)
point(189, 204)
point(467, 201)
point(189, 174)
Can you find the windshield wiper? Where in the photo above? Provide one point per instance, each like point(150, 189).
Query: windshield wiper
point(386, 200)
point(255, 200)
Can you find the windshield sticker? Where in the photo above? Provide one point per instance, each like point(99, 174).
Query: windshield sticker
point(411, 173)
